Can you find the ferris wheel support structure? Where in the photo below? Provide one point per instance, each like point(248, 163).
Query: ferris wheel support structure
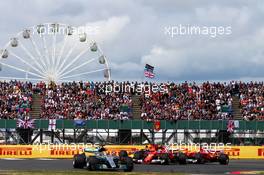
point(54, 56)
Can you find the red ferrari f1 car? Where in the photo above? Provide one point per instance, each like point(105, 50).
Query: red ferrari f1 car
point(155, 154)
point(205, 156)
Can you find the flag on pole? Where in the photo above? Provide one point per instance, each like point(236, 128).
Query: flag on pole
point(149, 71)
point(230, 126)
point(25, 124)
point(79, 123)
point(157, 125)
point(52, 124)
point(236, 124)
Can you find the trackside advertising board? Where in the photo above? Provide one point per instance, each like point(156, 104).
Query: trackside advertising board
point(67, 151)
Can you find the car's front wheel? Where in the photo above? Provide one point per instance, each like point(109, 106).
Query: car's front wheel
point(223, 159)
point(182, 159)
point(92, 163)
point(78, 161)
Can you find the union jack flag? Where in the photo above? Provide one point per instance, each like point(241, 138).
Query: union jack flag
point(149, 71)
point(230, 126)
point(25, 124)
point(52, 124)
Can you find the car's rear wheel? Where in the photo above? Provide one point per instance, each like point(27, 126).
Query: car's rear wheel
point(79, 161)
point(139, 155)
point(129, 164)
point(199, 158)
point(88, 163)
point(166, 159)
point(182, 159)
point(223, 159)
point(123, 153)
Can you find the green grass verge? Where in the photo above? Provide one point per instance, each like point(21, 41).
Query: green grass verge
point(80, 173)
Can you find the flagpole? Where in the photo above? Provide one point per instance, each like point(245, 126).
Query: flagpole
point(143, 76)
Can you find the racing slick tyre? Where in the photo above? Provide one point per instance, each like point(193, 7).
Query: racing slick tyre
point(139, 155)
point(92, 163)
point(166, 159)
point(223, 159)
point(79, 161)
point(199, 158)
point(182, 159)
point(129, 164)
point(122, 154)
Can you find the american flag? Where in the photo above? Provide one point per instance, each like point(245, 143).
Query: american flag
point(26, 124)
point(149, 71)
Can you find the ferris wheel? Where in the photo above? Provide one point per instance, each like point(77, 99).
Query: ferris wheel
point(53, 52)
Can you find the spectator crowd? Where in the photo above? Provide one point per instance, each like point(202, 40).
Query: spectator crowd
point(189, 102)
point(113, 100)
point(84, 101)
point(15, 99)
point(251, 100)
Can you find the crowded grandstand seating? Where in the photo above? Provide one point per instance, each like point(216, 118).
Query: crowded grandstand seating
point(189, 102)
point(15, 99)
point(84, 101)
point(99, 100)
point(251, 100)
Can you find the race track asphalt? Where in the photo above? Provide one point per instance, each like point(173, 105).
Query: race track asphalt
point(66, 164)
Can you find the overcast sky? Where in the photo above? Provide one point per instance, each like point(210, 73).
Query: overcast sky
point(133, 33)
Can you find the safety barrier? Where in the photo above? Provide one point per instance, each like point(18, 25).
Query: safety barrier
point(140, 124)
point(246, 152)
point(55, 151)
point(68, 151)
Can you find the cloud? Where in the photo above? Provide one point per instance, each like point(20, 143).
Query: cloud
point(101, 31)
point(108, 29)
point(131, 33)
point(126, 71)
point(207, 62)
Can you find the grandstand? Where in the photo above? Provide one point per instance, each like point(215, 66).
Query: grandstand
point(85, 100)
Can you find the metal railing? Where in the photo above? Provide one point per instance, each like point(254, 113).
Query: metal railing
point(140, 124)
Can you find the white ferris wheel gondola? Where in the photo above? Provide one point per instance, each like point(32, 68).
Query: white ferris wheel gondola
point(4, 53)
point(52, 52)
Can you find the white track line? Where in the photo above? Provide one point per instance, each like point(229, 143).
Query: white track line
point(12, 159)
